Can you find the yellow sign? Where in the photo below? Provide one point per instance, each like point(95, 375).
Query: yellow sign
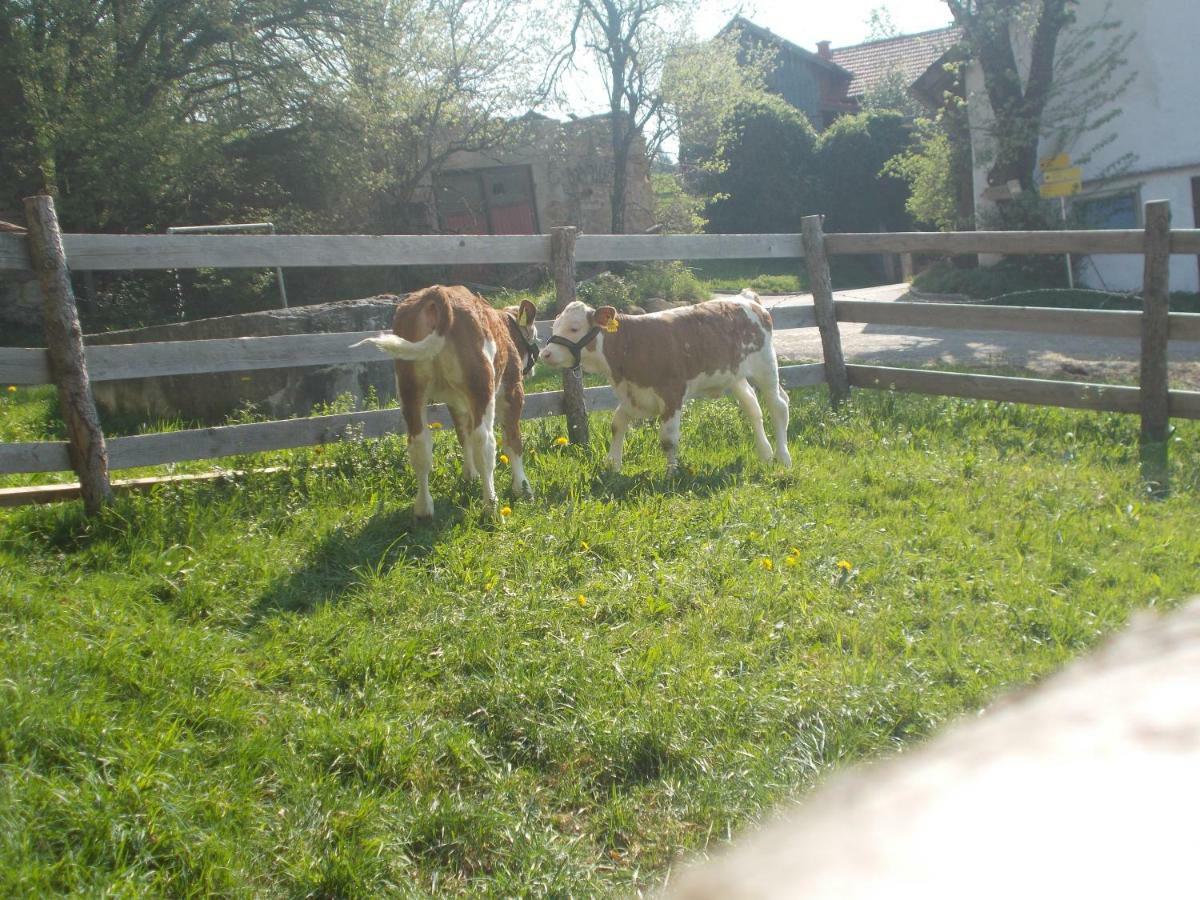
point(1059, 189)
point(1062, 161)
point(1058, 176)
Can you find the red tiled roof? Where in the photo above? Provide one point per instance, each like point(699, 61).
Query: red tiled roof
point(910, 54)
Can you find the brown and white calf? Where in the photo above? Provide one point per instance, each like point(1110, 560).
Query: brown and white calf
point(452, 347)
point(657, 362)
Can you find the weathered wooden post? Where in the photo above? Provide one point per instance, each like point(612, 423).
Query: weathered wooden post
point(562, 264)
point(64, 347)
point(821, 281)
point(1154, 397)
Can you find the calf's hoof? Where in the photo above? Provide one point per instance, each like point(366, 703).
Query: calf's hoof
point(523, 491)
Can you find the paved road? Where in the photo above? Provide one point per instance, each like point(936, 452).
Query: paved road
point(1062, 355)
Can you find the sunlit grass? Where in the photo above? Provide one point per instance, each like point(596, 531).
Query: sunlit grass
point(280, 686)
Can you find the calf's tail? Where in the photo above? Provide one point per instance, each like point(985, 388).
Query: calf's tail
point(413, 351)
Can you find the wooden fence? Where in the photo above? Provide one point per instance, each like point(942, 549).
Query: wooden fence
point(66, 363)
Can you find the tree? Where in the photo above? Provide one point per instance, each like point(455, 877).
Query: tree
point(764, 179)
point(857, 193)
point(1019, 104)
point(630, 42)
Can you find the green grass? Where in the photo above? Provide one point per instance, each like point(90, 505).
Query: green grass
point(280, 687)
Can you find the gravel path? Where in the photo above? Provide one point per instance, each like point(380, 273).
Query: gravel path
point(1061, 355)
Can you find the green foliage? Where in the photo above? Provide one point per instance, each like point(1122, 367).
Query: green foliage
point(857, 191)
point(677, 210)
point(934, 167)
point(766, 170)
point(665, 280)
point(1180, 301)
point(278, 686)
point(1010, 275)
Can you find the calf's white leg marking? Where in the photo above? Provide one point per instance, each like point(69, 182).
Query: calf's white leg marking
point(668, 439)
point(620, 424)
point(420, 456)
point(746, 398)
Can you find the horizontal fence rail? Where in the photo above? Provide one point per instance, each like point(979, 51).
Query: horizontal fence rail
point(287, 434)
point(113, 362)
point(119, 252)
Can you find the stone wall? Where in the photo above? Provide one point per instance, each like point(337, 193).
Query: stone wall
point(278, 393)
point(571, 164)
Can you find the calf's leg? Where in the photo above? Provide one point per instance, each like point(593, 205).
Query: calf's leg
point(766, 379)
point(420, 446)
point(744, 394)
point(511, 404)
point(482, 444)
point(460, 427)
point(620, 424)
point(668, 438)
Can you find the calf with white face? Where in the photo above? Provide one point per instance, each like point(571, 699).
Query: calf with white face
point(657, 362)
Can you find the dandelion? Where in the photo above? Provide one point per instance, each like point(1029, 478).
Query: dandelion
point(560, 441)
point(12, 388)
point(844, 565)
point(583, 545)
point(581, 600)
point(506, 510)
point(791, 560)
point(504, 458)
point(435, 426)
point(767, 563)
point(754, 535)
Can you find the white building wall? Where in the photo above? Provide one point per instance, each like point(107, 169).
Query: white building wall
point(1158, 127)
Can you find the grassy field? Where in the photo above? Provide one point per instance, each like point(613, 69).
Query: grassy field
point(280, 687)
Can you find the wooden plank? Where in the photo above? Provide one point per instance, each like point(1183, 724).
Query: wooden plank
point(802, 376)
point(22, 365)
point(38, 456)
point(106, 252)
point(793, 315)
point(1185, 241)
point(14, 252)
point(562, 270)
point(1184, 404)
point(822, 291)
point(641, 247)
point(1034, 391)
point(1106, 323)
point(1153, 370)
point(1048, 242)
point(1183, 326)
point(56, 493)
point(64, 349)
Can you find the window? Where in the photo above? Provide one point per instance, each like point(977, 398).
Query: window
point(1108, 210)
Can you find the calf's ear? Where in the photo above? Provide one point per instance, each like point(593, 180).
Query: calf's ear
point(526, 314)
point(603, 316)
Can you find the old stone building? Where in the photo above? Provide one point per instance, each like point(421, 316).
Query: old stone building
point(557, 173)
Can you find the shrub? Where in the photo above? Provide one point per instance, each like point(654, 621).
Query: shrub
point(606, 289)
point(764, 182)
point(985, 282)
point(856, 192)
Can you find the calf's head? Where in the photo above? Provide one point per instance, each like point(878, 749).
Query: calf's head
point(525, 333)
point(575, 331)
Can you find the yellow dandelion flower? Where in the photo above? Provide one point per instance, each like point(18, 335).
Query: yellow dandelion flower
point(767, 563)
point(791, 560)
point(560, 441)
point(12, 388)
point(754, 535)
point(583, 545)
point(844, 565)
point(435, 426)
point(504, 458)
point(795, 551)
point(506, 510)
point(581, 600)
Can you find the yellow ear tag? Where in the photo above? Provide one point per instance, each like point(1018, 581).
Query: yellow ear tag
point(523, 319)
point(612, 325)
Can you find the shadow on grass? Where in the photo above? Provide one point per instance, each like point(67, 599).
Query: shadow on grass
point(615, 487)
point(337, 564)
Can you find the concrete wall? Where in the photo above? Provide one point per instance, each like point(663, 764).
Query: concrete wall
point(1157, 132)
point(278, 393)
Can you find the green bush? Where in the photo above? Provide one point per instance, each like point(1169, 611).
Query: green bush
point(667, 280)
point(986, 282)
point(856, 192)
point(765, 177)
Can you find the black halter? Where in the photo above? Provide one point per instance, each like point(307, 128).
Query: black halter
point(577, 347)
point(529, 349)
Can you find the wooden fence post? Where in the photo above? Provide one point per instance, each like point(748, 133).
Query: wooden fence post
point(822, 290)
point(562, 264)
point(1154, 397)
point(64, 347)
